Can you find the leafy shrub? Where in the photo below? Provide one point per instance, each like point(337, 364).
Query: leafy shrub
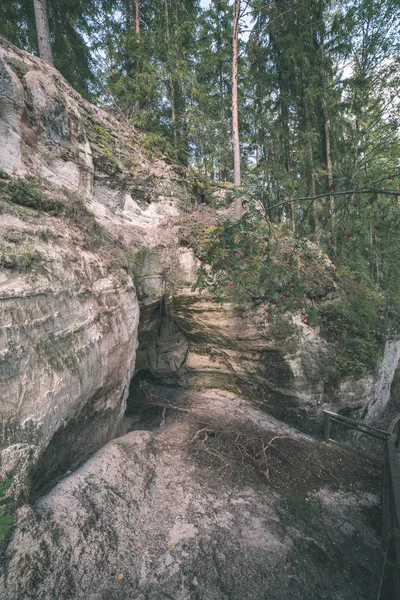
point(249, 260)
point(158, 144)
point(4, 176)
point(355, 325)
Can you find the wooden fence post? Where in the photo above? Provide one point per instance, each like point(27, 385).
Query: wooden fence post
point(327, 427)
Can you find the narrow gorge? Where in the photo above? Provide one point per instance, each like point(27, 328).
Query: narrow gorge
point(161, 444)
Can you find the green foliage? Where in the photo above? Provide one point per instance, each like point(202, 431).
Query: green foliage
point(47, 235)
point(105, 155)
point(158, 144)
point(20, 68)
point(21, 259)
point(26, 193)
point(103, 137)
point(71, 22)
point(13, 237)
point(4, 176)
point(138, 261)
point(355, 325)
point(5, 520)
point(250, 260)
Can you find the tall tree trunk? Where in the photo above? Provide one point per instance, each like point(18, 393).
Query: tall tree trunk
point(137, 21)
point(171, 82)
point(327, 128)
point(313, 188)
point(315, 208)
point(43, 31)
point(235, 110)
point(329, 165)
point(173, 114)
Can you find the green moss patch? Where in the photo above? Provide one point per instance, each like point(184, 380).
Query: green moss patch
point(26, 193)
point(19, 259)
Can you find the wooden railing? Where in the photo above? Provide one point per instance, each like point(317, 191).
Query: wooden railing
point(389, 584)
point(330, 417)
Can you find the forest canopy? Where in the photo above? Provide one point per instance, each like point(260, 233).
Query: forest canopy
point(317, 102)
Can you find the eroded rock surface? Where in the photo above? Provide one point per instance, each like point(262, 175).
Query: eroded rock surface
point(67, 342)
point(68, 307)
point(145, 519)
point(82, 153)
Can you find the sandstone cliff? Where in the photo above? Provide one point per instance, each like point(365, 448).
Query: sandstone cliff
point(68, 304)
point(95, 286)
point(89, 216)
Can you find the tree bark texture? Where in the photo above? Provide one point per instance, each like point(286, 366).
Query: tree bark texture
point(235, 109)
point(171, 82)
point(329, 168)
point(137, 21)
point(43, 31)
point(312, 174)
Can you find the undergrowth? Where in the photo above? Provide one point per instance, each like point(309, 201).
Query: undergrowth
point(26, 193)
point(250, 261)
point(284, 462)
point(355, 325)
point(21, 259)
point(6, 520)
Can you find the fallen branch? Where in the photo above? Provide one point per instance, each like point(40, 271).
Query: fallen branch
point(276, 437)
point(164, 410)
point(199, 432)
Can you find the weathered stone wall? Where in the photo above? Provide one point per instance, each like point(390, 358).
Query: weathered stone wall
point(68, 311)
point(69, 323)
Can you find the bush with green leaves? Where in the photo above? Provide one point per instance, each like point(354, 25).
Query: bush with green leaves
point(158, 144)
point(249, 260)
point(19, 259)
point(356, 326)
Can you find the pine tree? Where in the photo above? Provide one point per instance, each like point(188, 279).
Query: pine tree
point(235, 108)
point(43, 31)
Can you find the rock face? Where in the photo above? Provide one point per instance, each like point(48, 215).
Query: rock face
point(144, 519)
point(68, 341)
point(69, 311)
point(381, 393)
point(190, 340)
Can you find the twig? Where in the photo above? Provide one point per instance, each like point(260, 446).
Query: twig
point(164, 410)
point(276, 437)
point(330, 193)
point(199, 432)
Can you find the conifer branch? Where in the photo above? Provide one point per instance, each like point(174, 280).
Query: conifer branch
point(330, 193)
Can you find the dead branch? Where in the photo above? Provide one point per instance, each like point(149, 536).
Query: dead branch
point(164, 410)
point(199, 432)
point(330, 193)
point(168, 405)
point(276, 437)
